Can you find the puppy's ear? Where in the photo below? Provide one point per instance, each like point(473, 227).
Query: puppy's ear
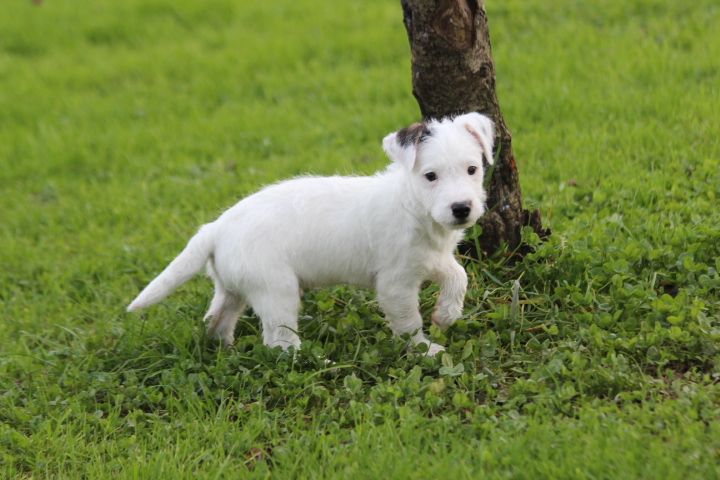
point(482, 129)
point(401, 146)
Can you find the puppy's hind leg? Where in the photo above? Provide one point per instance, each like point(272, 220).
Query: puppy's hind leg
point(223, 313)
point(277, 305)
point(222, 316)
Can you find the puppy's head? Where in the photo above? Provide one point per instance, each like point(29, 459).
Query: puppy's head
point(444, 163)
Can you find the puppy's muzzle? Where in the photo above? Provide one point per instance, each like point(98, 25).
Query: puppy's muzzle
point(461, 210)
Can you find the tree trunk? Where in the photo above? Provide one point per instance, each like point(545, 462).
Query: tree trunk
point(453, 73)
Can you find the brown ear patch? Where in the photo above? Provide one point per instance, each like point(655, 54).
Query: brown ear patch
point(413, 134)
point(476, 135)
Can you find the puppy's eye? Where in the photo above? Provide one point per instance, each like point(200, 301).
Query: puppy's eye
point(472, 170)
point(431, 176)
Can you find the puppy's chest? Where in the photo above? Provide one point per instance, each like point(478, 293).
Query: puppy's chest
point(419, 263)
point(430, 260)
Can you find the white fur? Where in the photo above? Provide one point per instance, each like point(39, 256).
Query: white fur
point(390, 231)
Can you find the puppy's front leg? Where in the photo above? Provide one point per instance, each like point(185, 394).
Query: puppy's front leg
point(453, 285)
point(400, 304)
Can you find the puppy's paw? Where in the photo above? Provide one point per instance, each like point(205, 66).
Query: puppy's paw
point(434, 349)
point(225, 336)
point(227, 339)
point(446, 315)
point(285, 344)
point(282, 337)
point(220, 332)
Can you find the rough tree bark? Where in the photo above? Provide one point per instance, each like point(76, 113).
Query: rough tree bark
point(452, 73)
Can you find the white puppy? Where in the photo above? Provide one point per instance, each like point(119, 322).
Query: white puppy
point(390, 231)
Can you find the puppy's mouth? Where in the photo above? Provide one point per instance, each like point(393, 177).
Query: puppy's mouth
point(458, 224)
point(455, 223)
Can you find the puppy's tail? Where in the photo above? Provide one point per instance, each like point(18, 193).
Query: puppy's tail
point(185, 266)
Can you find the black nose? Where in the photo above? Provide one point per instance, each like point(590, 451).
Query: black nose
point(461, 210)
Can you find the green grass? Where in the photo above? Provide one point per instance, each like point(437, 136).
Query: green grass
point(125, 125)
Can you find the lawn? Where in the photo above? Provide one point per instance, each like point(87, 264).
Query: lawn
point(126, 125)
